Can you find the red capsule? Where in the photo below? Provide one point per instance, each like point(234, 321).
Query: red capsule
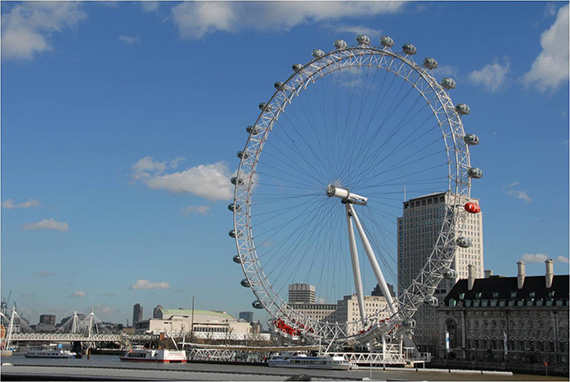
point(472, 208)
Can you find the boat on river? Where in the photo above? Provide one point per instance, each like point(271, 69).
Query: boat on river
point(49, 352)
point(302, 360)
point(141, 354)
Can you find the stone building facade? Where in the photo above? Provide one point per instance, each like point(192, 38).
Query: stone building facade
point(521, 319)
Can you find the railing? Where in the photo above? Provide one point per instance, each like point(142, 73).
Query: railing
point(64, 337)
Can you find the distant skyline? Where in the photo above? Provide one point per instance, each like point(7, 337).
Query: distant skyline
point(121, 122)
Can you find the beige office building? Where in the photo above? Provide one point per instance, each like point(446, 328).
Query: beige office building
point(418, 230)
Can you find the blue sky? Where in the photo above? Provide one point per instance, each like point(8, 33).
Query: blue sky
point(120, 124)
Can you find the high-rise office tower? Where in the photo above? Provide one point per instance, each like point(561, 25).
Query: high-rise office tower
point(418, 230)
point(137, 313)
point(47, 319)
point(301, 294)
point(246, 316)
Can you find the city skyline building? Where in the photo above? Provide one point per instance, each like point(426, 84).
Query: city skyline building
point(418, 230)
point(301, 294)
point(137, 313)
point(47, 319)
point(247, 316)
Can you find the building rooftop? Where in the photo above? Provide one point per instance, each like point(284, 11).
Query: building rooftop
point(167, 313)
point(506, 288)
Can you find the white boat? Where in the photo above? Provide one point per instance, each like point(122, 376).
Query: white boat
point(49, 352)
point(140, 354)
point(302, 360)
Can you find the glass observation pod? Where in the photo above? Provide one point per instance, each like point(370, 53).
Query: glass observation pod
point(450, 274)
point(463, 242)
point(448, 83)
point(318, 53)
point(462, 109)
point(340, 44)
point(253, 130)
point(387, 41)
point(409, 49)
point(297, 67)
point(431, 301)
point(475, 172)
point(471, 139)
point(430, 63)
point(363, 40)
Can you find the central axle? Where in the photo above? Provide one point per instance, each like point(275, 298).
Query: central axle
point(345, 195)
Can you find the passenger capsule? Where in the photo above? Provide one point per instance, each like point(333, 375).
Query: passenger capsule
point(245, 283)
point(318, 53)
point(431, 301)
point(253, 130)
point(409, 323)
point(475, 172)
point(387, 41)
point(463, 242)
point(340, 44)
point(297, 67)
point(234, 207)
point(237, 259)
point(462, 109)
point(450, 274)
point(409, 49)
point(232, 233)
point(472, 208)
point(471, 139)
point(234, 180)
point(363, 40)
point(242, 155)
point(262, 106)
point(430, 63)
point(448, 83)
point(278, 85)
point(257, 304)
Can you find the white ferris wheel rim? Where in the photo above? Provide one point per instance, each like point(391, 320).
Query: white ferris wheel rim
point(437, 97)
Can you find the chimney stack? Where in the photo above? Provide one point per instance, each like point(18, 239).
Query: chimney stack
point(549, 272)
point(488, 273)
point(471, 278)
point(521, 274)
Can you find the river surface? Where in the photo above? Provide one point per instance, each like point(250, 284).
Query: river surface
point(18, 367)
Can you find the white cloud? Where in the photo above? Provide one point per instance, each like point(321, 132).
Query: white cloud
point(492, 77)
point(102, 309)
point(27, 27)
point(516, 193)
point(562, 259)
point(11, 203)
point(78, 294)
point(550, 69)
point(209, 181)
point(374, 34)
point(447, 70)
point(534, 258)
point(45, 274)
point(47, 224)
point(130, 40)
point(202, 210)
point(197, 19)
point(145, 284)
point(150, 6)
point(147, 167)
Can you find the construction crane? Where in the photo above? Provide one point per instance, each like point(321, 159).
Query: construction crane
point(4, 304)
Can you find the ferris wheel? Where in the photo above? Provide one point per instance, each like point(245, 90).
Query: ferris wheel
point(340, 145)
